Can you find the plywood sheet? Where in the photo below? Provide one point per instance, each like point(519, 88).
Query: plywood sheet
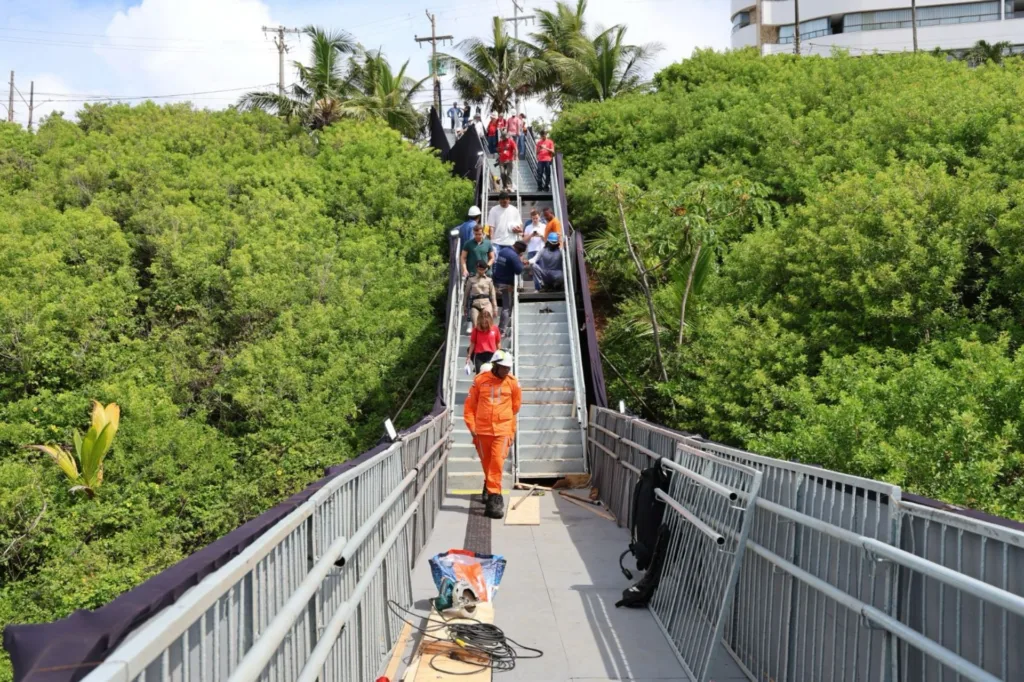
point(454, 670)
point(526, 514)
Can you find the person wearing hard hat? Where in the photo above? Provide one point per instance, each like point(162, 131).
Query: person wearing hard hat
point(490, 413)
point(547, 266)
point(473, 218)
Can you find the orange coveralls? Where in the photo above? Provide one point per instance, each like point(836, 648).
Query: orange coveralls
point(490, 414)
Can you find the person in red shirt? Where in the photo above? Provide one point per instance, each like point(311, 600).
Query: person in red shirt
point(484, 340)
point(507, 153)
point(492, 133)
point(545, 155)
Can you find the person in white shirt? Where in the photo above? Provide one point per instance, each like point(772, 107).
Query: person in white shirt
point(505, 221)
point(533, 234)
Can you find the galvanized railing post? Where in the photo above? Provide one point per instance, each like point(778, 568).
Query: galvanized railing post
point(792, 636)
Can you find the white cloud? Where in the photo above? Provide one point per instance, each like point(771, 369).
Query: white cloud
point(194, 46)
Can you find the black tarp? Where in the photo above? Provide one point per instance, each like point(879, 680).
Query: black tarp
point(593, 371)
point(465, 156)
point(438, 138)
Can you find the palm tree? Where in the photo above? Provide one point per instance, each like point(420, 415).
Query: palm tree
point(384, 94)
point(495, 72)
point(607, 68)
point(984, 52)
point(318, 98)
point(585, 67)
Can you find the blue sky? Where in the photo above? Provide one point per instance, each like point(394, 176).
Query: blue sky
point(75, 49)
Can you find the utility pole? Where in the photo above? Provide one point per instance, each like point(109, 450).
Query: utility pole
point(10, 100)
point(282, 47)
point(31, 102)
point(796, 26)
point(433, 57)
point(913, 21)
point(515, 19)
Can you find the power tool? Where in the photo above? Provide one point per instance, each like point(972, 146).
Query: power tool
point(456, 595)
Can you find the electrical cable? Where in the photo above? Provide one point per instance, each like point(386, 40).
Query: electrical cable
point(476, 637)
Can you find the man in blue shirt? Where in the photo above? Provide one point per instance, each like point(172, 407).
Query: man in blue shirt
point(466, 228)
point(454, 114)
point(508, 262)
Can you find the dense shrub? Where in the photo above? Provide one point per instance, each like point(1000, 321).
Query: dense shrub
point(868, 318)
point(256, 300)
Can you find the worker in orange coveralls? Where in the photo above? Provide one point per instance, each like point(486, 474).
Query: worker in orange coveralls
point(491, 408)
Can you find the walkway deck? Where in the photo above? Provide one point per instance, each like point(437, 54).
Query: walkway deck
point(559, 594)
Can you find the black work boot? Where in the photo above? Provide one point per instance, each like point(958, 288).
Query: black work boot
point(495, 506)
point(484, 496)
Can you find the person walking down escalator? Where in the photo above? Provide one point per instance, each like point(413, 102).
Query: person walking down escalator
point(507, 153)
point(508, 263)
point(547, 266)
point(492, 134)
point(513, 128)
point(545, 156)
point(505, 222)
point(481, 294)
point(490, 414)
point(484, 340)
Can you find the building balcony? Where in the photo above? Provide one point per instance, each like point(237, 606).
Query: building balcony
point(946, 37)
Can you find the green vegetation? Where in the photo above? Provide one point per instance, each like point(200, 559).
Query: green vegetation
point(256, 301)
point(861, 305)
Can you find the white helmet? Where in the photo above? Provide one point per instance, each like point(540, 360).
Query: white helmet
point(474, 211)
point(502, 358)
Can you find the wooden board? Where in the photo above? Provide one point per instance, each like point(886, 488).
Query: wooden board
point(469, 672)
point(526, 514)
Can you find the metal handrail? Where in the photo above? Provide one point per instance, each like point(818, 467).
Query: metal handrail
point(570, 304)
point(531, 154)
point(831, 522)
point(296, 571)
point(515, 362)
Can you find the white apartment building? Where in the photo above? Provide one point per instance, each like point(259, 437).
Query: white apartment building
point(866, 26)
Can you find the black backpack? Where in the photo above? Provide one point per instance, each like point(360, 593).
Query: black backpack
point(646, 517)
point(649, 537)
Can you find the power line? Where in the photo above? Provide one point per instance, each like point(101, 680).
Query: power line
point(110, 98)
point(123, 48)
point(120, 37)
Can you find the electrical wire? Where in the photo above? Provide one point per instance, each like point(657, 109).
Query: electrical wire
point(476, 637)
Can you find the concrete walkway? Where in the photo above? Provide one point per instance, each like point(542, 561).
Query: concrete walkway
point(558, 594)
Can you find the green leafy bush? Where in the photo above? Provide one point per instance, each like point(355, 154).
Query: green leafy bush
point(868, 318)
point(256, 300)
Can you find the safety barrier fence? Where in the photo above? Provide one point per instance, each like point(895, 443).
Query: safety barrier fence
point(306, 600)
point(707, 525)
point(842, 579)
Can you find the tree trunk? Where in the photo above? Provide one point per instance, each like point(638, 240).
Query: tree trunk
point(644, 285)
point(686, 293)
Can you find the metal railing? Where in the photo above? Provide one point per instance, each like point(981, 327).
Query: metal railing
point(575, 349)
point(985, 551)
point(531, 155)
point(308, 598)
point(825, 591)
